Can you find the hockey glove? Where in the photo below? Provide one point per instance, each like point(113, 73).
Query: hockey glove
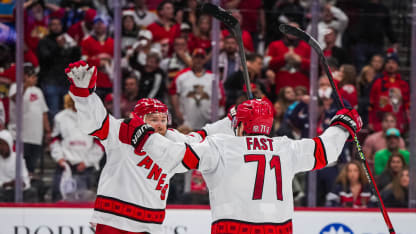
point(135, 132)
point(82, 78)
point(232, 113)
point(348, 119)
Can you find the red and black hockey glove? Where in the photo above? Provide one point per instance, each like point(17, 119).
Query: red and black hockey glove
point(349, 119)
point(82, 78)
point(135, 132)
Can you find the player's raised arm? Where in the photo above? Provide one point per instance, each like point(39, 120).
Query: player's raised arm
point(93, 118)
point(316, 153)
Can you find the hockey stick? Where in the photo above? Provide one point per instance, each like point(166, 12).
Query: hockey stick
point(287, 29)
point(232, 23)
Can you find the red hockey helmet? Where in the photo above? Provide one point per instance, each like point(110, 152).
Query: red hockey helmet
point(148, 106)
point(257, 116)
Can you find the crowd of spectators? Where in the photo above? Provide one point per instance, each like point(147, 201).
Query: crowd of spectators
point(166, 53)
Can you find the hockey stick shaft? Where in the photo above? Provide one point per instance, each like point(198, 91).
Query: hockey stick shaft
point(232, 23)
point(287, 29)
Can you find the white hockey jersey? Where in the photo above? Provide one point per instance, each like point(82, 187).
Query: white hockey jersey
point(132, 188)
point(250, 178)
point(70, 143)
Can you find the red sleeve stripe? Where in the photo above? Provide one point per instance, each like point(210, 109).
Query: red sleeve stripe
point(99, 144)
point(102, 132)
point(320, 155)
point(190, 159)
point(56, 138)
point(203, 133)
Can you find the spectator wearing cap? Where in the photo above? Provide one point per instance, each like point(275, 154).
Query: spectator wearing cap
point(143, 16)
point(129, 31)
point(192, 93)
point(8, 170)
point(152, 78)
point(55, 52)
point(83, 28)
point(245, 35)
point(373, 26)
point(97, 49)
point(389, 94)
point(140, 49)
point(229, 59)
point(165, 26)
point(332, 17)
point(35, 118)
point(378, 140)
point(331, 49)
point(72, 149)
point(382, 156)
point(290, 60)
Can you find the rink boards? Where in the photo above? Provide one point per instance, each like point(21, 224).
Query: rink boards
point(73, 219)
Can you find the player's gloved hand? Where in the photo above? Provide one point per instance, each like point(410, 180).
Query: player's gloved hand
point(135, 132)
point(349, 119)
point(82, 78)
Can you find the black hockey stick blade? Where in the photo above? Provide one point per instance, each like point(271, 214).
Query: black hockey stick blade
point(299, 33)
point(220, 14)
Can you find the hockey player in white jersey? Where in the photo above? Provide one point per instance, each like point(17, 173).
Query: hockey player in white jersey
point(249, 176)
point(132, 190)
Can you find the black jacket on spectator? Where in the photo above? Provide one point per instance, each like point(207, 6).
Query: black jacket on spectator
point(341, 55)
point(151, 84)
point(374, 24)
point(384, 179)
point(390, 201)
point(364, 101)
point(54, 59)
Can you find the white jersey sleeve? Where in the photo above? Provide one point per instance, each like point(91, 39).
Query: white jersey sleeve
point(316, 153)
point(171, 155)
point(93, 119)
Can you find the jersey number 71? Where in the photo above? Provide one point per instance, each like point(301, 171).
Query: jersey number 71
point(261, 169)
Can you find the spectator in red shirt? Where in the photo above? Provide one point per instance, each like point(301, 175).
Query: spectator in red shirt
point(346, 85)
point(165, 27)
point(290, 59)
point(202, 35)
point(36, 18)
point(246, 36)
point(389, 94)
point(83, 28)
point(97, 49)
point(254, 18)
